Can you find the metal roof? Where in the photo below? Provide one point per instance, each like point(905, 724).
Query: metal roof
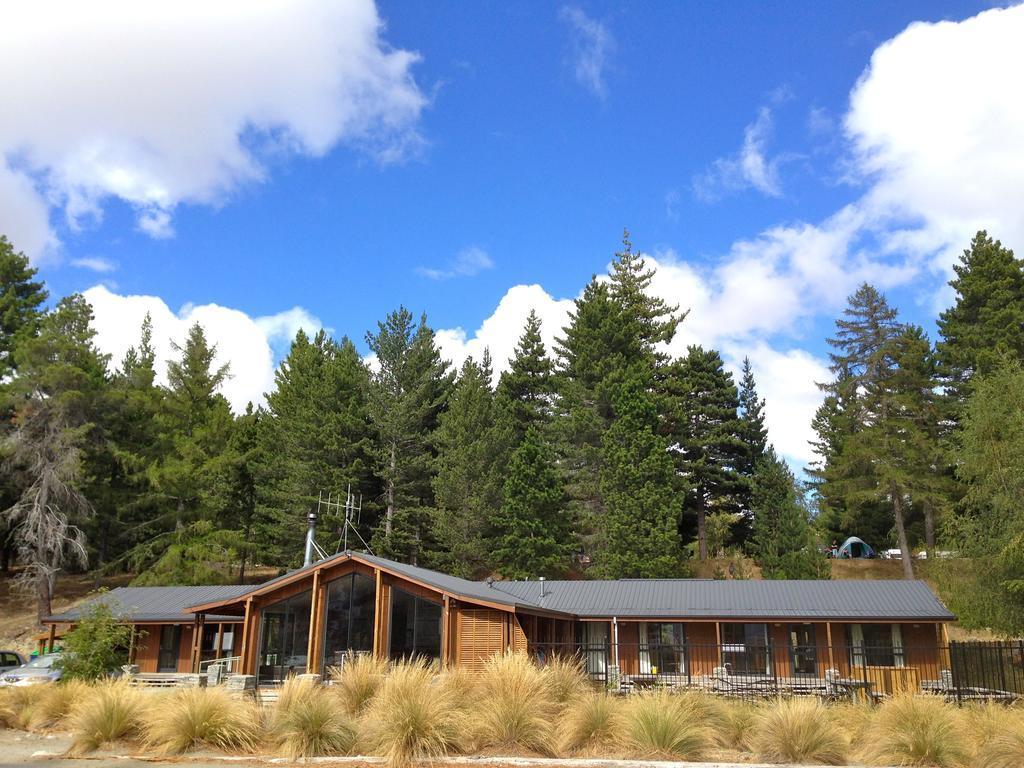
point(892, 600)
point(724, 599)
point(158, 604)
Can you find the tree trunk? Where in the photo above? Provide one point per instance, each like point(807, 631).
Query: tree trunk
point(929, 530)
point(702, 528)
point(44, 598)
point(901, 533)
point(389, 514)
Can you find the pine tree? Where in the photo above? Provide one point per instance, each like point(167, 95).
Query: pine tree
point(782, 540)
point(986, 323)
point(407, 394)
point(751, 412)
point(526, 389)
point(58, 398)
point(316, 438)
point(533, 534)
point(235, 503)
point(706, 437)
point(21, 301)
point(470, 471)
point(639, 532)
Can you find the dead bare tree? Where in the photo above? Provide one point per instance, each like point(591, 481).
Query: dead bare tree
point(45, 452)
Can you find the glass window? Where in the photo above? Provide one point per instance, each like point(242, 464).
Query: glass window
point(170, 642)
point(876, 645)
point(348, 625)
point(284, 638)
point(662, 648)
point(803, 650)
point(745, 648)
point(415, 626)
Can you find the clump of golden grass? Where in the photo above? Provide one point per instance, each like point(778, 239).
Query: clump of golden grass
point(998, 734)
point(462, 684)
point(566, 679)
point(17, 704)
point(56, 702)
point(517, 708)
point(111, 712)
point(357, 680)
point(734, 724)
point(917, 730)
point(414, 715)
point(798, 731)
point(661, 724)
point(309, 723)
point(593, 724)
point(199, 717)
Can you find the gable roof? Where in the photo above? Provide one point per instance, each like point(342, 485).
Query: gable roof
point(154, 604)
point(879, 600)
point(731, 599)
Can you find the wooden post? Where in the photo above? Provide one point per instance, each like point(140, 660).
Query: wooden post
point(445, 632)
point(52, 638)
point(828, 636)
point(131, 646)
point(311, 665)
point(246, 649)
point(378, 613)
point(197, 641)
point(218, 651)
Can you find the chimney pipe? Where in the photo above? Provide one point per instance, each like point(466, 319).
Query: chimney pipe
point(543, 587)
point(310, 531)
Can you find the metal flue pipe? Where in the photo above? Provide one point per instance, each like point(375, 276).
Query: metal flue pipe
point(310, 532)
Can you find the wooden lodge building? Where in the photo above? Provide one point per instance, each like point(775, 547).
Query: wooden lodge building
point(638, 629)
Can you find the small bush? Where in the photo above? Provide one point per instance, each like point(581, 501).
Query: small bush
point(593, 724)
point(113, 711)
point(734, 724)
point(356, 682)
point(312, 724)
point(199, 717)
point(798, 731)
point(56, 703)
point(662, 724)
point(1005, 749)
point(517, 707)
point(97, 646)
point(917, 730)
point(414, 715)
point(566, 679)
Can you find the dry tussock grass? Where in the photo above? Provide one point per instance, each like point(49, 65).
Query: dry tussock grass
point(414, 715)
point(111, 712)
point(798, 731)
point(517, 707)
point(673, 726)
point(593, 725)
point(357, 680)
point(199, 717)
point(56, 703)
point(917, 730)
point(310, 723)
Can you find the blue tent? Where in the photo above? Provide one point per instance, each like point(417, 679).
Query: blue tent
point(854, 548)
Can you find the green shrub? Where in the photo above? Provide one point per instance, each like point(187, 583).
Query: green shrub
point(97, 646)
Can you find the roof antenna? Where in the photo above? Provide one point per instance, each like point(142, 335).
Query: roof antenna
point(353, 515)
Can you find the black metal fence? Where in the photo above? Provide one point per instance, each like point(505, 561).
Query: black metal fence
point(961, 672)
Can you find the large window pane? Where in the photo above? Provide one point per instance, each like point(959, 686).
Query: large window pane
point(348, 625)
point(745, 648)
point(284, 638)
point(170, 643)
point(803, 650)
point(666, 642)
point(415, 626)
point(876, 645)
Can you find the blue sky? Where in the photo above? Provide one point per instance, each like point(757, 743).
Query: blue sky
point(485, 146)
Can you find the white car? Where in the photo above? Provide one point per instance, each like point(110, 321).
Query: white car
point(43, 669)
point(10, 660)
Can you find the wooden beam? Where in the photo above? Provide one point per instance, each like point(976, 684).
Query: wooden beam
point(828, 635)
point(246, 649)
point(445, 632)
point(218, 651)
point(52, 638)
point(197, 641)
point(378, 611)
point(314, 594)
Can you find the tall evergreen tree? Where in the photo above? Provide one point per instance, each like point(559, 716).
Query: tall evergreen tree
point(533, 534)
point(706, 438)
point(526, 389)
point(470, 472)
point(751, 413)
point(783, 544)
point(639, 532)
point(57, 398)
point(316, 438)
point(985, 325)
point(407, 394)
point(21, 301)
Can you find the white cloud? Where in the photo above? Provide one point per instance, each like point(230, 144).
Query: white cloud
point(937, 128)
point(467, 263)
point(94, 264)
point(591, 46)
point(245, 343)
point(749, 168)
point(163, 103)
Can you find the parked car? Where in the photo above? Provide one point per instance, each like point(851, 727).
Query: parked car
point(10, 660)
point(43, 669)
